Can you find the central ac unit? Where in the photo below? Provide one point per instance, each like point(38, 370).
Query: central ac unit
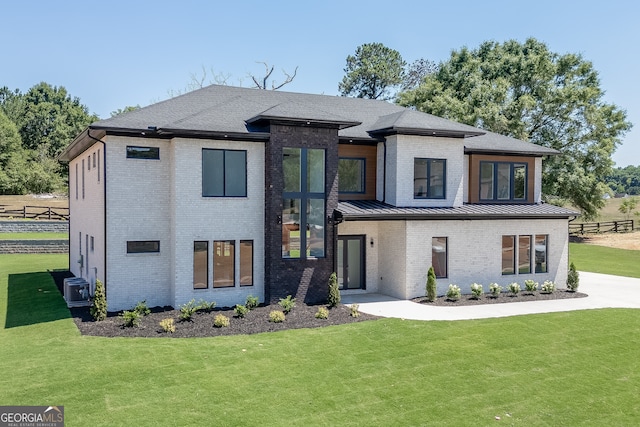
point(76, 292)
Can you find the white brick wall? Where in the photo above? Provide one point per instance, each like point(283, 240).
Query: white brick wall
point(87, 214)
point(401, 152)
point(403, 252)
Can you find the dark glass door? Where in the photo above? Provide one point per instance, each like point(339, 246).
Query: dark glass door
point(350, 262)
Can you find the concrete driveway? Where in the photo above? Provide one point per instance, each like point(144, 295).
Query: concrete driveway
point(603, 290)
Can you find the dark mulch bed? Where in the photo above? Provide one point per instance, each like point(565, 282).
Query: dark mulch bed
point(503, 298)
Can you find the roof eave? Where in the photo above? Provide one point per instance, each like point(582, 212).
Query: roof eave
point(425, 132)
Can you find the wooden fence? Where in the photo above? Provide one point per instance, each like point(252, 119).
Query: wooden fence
point(34, 212)
point(601, 227)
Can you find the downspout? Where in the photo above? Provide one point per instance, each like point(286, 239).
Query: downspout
point(104, 183)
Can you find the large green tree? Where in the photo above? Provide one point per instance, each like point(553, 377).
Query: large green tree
point(528, 92)
point(373, 72)
point(12, 157)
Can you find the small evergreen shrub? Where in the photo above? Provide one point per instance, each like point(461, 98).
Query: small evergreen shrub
point(573, 278)
point(251, 302)
point(432, 285)
point(142, 309)
point(476, 290)
point(454, 293)
point(168, 325)
point(548, 287)
point(354, 310)
point(130, 318)
point(276, 316)
point(322, 313)
point(287, 304)
point(495, 289)
point(220, 321)
point(205, 306)
point(514, 288)
point(334, 292)
point(99, 307)
point(240, 310)
point(530, 285)
point(188, 310)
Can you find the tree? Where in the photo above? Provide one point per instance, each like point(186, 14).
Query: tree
point(99, 307)
point(334, 291)
point(261, 82)
point(12, 158)
point(627, 207)
point(125, 110)
point(527, 92)
point(415, 72)
point(373, 72)
point(573, 278)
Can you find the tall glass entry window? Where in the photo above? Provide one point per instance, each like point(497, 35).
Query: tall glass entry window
point(303, 210)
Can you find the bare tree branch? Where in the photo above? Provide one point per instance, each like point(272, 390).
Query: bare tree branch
point(268, 71)
point(288, 80)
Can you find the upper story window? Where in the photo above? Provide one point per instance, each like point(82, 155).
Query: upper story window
point(135, 152)
point(351, 175)
point(429, 177)
point(503, 181)
point(224, 173)
point(303, 211)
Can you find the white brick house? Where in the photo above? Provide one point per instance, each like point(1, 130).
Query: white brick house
point(203, 196)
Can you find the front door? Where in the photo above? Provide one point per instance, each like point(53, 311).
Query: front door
point(350, 262)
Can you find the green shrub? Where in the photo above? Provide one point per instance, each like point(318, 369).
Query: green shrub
point(188, 310)
point(476, 290)
point(251, 302)
point(334, 292)
point(141, 308)
point(99, 307)
point(322, 313)
point(454, 293)
point(220, 321)
point(205, 306)
point(573, 278)
point(495, 289)
point(276, 316)
point(548, 287)
point(130, 318)
point(432, 284)
point(287, 304)
point(530, 285)
point(354, 310)
point(240, 310)
point(168, 325)
point(514, 288)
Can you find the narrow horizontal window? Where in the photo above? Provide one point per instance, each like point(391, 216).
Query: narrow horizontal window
point(136, 152)
point(143, 246)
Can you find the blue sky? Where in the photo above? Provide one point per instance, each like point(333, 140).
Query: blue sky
point(111, 54)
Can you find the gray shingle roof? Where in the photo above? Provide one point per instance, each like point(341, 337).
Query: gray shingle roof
point(235, 111)
point(375, 210)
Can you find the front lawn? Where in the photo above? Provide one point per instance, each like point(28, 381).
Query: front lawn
point(575, 368)
point(601, 259)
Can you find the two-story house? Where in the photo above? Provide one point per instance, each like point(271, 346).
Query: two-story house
point(225, 192)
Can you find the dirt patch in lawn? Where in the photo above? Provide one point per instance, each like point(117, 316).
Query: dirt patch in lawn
point(630, 241)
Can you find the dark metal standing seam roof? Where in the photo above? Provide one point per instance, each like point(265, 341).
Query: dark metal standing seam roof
point(363, 210)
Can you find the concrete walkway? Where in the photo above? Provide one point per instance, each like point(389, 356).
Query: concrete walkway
point(603, 290)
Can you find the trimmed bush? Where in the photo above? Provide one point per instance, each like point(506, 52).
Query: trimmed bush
point(205, 306)
point(322, 313)
point(251, 302)
point(99, 307)
point(130, 318)
point(495, 289)
point(432, 285)
point(188, 310)
point(530, 285)
point(454, 293)
point(220, 321)
point(548, 287)
point(141, 308)
point(573, 278)
point(334, 292)
point(354, 310)
point(168, 325)
point(514, 288)
point(276, 316)
point(476, 290)
point(287, 304)
point(240, 310)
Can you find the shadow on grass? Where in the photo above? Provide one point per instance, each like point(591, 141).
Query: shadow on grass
point(33, 298)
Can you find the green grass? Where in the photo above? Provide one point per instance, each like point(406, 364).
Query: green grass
point(34, 236)
point(576, 368)
point(601, 259)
